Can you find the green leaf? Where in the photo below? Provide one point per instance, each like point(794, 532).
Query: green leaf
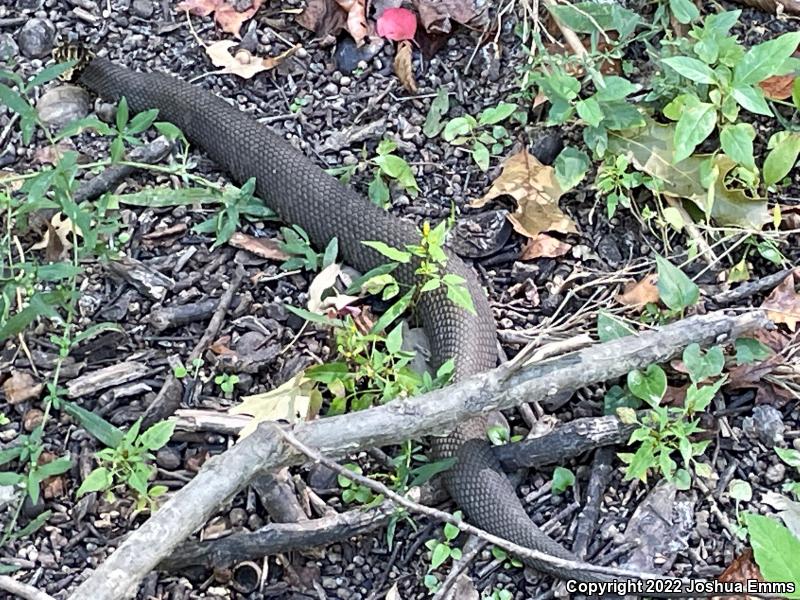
point(331, 252)
point(394, 340)
point(57, 271)
point(703, 365)
point(451, 531)
point(394, 254)
point(314, 317)
point(775, 550)
point(50, 73)
point(122, 115)
point(650, 385)
point(740, 490)
point(157, 435)
point(441, 552)
point(439, 107)
point(460, 296)
point(141, 122)
point(562, 479)
point(694, 126)
point(480, 154)
point(765, 59)
point(749, 350)
point(9, 454)
point(752, 99)
point(737, 142)
point(684, 11)
point(502, 111)
point(691, 68)
point(790, 456)
point(458, 127)
point(570, 167)
point(394, 311)
point(585, 17)
point(614, 88)
point(378, 191)
point(168, 130)
point(426, 472)
point(97, 426)
point(392, 165)
point(589, 110)
point(9, 478)
point(675, 289)
point(54, 467)
point(610, 327)
point(97, 481)
point(15, 102)
point(33, 526)
point(781, 159)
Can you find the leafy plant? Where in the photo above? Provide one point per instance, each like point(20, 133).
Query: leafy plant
point(390, 166)
point(616, 183)
point(792, 458)
point(441, 551)
point(508, 560)
point(775, 549)
point(662, 429)
point(129, 464)
point(298, 245)
point(562, 479)
point(226, 382)
point(485, 136)
point(353, 491)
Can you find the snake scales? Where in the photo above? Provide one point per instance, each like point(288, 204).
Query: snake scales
point(302, 193)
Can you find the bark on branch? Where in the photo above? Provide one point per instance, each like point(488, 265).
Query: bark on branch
point(434, 413)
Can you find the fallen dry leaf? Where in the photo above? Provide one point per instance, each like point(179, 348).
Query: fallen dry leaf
point(293, 401)
point(229, 19)
point(323, 17)
point(641, 292)
point(778, 87)
point(397, 24)
point(436, 15)
point(244, 64)
point(783, 304)
point(221, 346)
point(536, 190)
point(742, 569)
point(544, 246)
point(57, 237)
point(21, 387)
point(263, 247)
point(607, 66)
point(318, 302)
point(356, 19)
point(404, 67)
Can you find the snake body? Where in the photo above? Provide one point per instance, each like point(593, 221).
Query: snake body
point(303, 194)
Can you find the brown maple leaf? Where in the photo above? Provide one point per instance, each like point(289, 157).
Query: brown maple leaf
point(783, 304)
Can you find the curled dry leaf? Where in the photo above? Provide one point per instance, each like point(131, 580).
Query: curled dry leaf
point(778, 87)
point(57, 237)
point(263, 247)
point(397, 24)
point(783, 304)
point(295, 400)
point(243, 64)
point(742, 569)
point(404, 67)
point(356, 19)
point(323, 17)
point(229, 19)
point(436, 15)
point(641, 292)
point(544, 246)
point(535, 188)
point(324, 281)
point(21, 387)
point(791, 7)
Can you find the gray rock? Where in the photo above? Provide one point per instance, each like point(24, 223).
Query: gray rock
point(142, 8)
point(168, 458)
point(64, 104)
point(8, 47)
point(29, 4)
point(36, 38)
point(766, 425)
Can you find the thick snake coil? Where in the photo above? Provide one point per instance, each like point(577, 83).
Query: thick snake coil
point(302, 193)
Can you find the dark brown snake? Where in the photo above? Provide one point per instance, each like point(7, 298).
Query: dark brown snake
point(302, 193)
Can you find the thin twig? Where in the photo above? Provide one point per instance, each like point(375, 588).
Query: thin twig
point(22, 590)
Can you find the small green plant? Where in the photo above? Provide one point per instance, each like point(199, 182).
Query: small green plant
point(129, 464)
point(299, 103)
point(722, 78)
point(302, 255)
point(792, 458)
point(616, 183)
point(371, 369)
point(485, 136)
point(180, 371)
point(431, 260)
point(508, 561)
point(353, 491)
point(663, 430)
point(774, 545)
point(562, 479)
point(226, 382)
point(388, 165)
point(441, 551)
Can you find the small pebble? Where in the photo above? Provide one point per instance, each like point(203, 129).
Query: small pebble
point(168, 458)
point(142, 8)
point(8, 47)
point(36, 38)
point(775, 473)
